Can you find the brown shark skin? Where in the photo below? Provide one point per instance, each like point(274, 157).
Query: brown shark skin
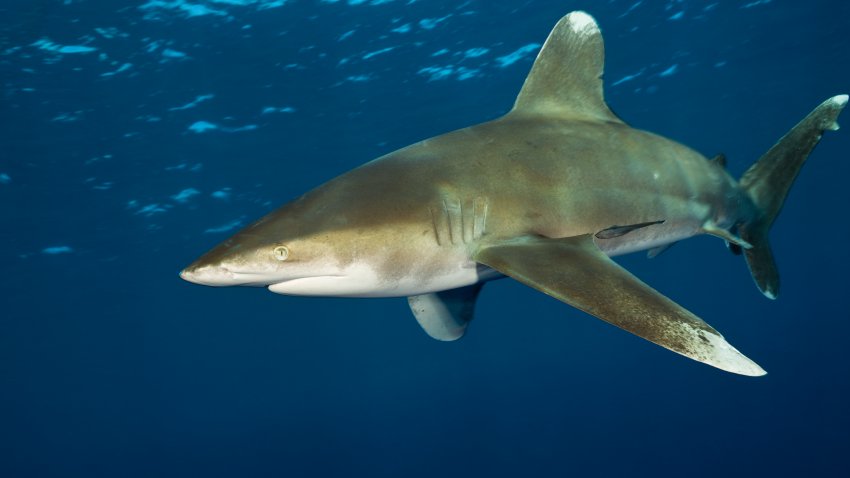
point(537, 176)
point(560, 164)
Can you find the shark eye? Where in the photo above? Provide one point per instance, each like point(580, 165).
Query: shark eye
point(281, 253)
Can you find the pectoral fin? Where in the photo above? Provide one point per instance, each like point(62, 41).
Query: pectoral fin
point(575, 271)
point(445, 315)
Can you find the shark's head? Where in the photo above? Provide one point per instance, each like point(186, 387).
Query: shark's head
point(253, 258)
point(338, 240)
point(278, 253)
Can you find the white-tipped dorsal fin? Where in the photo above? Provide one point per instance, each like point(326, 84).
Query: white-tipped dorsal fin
point(566, 79)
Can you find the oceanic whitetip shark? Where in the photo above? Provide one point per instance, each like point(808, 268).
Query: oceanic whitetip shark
point(545, 195)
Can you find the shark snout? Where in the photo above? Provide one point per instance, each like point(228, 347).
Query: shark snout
point(223, 275)
point(216, 276)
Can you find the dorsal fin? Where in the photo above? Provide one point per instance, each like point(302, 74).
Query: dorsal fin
point(720, 160)
point(566, 79)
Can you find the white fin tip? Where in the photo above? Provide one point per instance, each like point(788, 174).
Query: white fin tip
point(582, 23)
point(728, 358)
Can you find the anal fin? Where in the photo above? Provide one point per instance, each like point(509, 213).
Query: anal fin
point(657, 251)
point(445, 315)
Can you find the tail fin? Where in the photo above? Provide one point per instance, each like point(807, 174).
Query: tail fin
point(767, 183)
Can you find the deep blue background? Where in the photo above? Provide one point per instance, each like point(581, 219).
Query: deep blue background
point(110, 365)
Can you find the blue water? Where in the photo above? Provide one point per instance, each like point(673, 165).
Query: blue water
point(136, 135)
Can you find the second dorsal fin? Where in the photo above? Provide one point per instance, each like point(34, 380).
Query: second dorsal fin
point(719, 160)
point(566, 79)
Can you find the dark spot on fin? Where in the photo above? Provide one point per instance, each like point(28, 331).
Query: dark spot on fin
point(617, 231)
point(720, 160)
point(657, 251)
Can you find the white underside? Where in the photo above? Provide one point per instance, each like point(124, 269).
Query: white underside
point(362, 281)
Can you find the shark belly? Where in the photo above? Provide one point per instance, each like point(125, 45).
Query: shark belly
point(363, 281)
point(449, 269)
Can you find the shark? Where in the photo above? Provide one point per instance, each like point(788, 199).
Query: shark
point(545, 194)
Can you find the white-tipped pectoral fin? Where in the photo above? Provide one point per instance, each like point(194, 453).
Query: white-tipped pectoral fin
point(574, 270)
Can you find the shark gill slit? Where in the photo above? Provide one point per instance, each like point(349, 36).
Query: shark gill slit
point(447, 215)
point(456, 220)
point(436, 219)
point(479, 215)
point(459, 221)
point(467, 220)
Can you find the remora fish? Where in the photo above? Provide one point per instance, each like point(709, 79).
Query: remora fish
point(544, 194)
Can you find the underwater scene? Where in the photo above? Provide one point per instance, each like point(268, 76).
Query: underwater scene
point(139, 135)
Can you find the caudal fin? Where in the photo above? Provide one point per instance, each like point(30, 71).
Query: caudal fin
point(768, 181)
